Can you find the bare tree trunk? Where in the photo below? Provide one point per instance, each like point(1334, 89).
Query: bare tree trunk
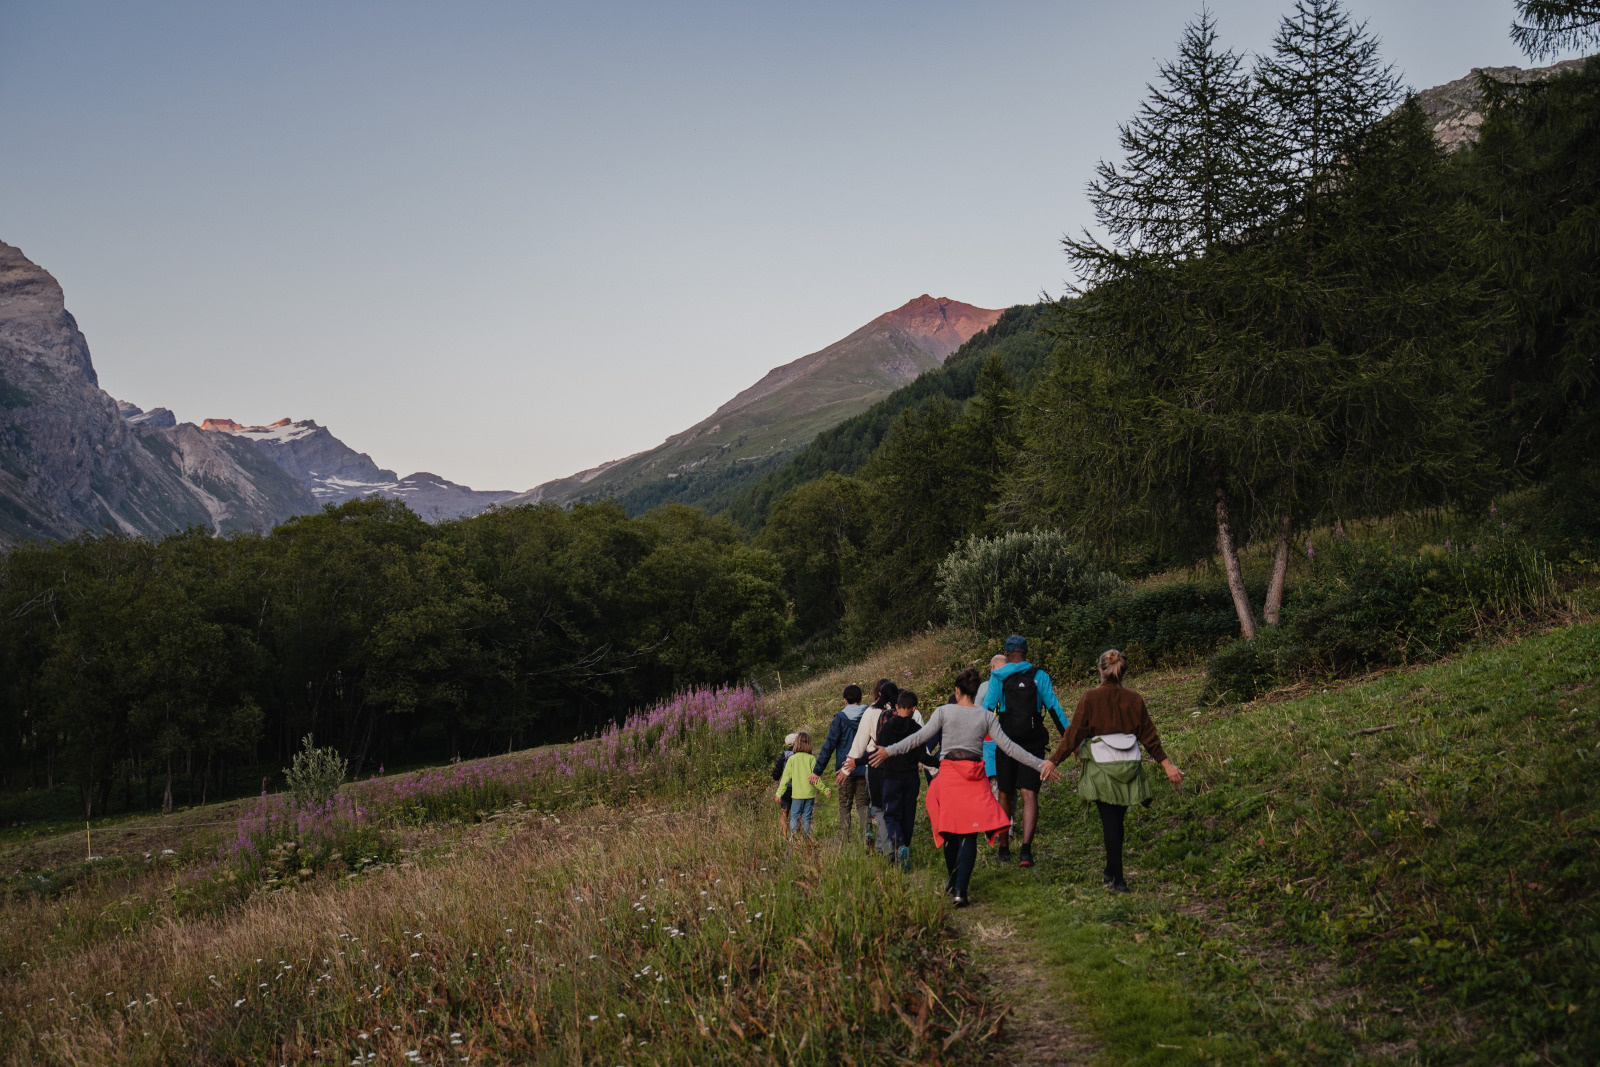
point(166, 798)
point(1280, 571)
point(1230, 564)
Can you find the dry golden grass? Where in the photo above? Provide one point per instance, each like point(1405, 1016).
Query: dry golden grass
point(636, 935)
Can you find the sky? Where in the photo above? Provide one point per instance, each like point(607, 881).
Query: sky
point(503, 242)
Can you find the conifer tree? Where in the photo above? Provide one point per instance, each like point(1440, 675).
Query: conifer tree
point(1545, 27)
point(1192, 166)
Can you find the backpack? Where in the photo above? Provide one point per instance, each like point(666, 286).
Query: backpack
point(1022, 719)
point(777, 768)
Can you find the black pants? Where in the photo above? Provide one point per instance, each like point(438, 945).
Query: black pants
point(960, 853)
point(1111, 816)
point(900, 808)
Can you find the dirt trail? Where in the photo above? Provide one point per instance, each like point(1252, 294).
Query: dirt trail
point(1037, 1032)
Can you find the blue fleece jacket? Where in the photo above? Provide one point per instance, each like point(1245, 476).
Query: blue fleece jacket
point(994, 695)
point(841, 735)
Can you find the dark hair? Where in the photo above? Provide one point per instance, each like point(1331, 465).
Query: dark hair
point(906, 699)
point(885, 692)
point(967, 681)
point(852, 694)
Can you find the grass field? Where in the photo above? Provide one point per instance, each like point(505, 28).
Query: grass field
point(1401, 869)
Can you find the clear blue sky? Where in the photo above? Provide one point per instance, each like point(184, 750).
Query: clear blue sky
point(506, 241)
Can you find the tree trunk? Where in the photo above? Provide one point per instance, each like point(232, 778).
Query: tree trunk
point(1230, 564)
point(1280, 571)
point(166, 798)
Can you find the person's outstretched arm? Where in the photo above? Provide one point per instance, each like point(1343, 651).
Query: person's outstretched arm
point(1010, 747)
point(835, 735)
point(921, 737)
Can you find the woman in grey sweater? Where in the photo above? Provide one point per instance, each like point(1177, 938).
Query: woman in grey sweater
point(960, 806)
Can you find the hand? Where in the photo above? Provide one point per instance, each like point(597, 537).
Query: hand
point(849, 765)
point(1049, 772)
point(1174, 775)
point(839, 778)
point(878, 757)
point(815, 779)
point(778, 801)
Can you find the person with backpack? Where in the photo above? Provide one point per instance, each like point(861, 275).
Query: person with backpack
point(1112, 723)
point(959, 805)
point(1018, 691)
point(852, 785)
point(996, 661)
point(901, 781)
point(777, 776)
point(884, 695)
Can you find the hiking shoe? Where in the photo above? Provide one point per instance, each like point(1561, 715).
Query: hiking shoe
point(904, 857)
point(1003, 854)
point(1025, 856)
point(962, 902)
point(1106, 881)
point(1118, 885)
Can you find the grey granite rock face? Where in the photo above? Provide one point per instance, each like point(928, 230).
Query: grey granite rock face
point(70, 460)
point(161, 418)
point(1455, 109)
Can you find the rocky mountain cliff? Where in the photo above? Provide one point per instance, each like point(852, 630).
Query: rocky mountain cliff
point(782, 412)
point(1456, 108)
point(70, 460)
point(334, 472)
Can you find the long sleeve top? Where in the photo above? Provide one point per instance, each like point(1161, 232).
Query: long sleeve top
point(867, 733)
point(891, 729)
point(841, 736)
point(797, 779)
point(1110, 709)
point(991, 694)
point(960, 726)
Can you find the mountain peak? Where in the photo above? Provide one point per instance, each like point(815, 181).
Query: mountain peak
point(949, 323)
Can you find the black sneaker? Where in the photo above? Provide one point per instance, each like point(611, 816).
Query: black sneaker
point(1003, 854)
point(962, 902)
point(1025, 856)
point(1118, 885)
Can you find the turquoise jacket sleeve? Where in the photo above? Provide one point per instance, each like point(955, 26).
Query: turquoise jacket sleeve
point(1047, 699)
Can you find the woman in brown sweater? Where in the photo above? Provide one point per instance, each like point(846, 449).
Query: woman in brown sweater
point(1114, 722)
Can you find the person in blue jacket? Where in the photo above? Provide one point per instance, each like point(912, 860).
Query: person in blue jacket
point(1018, 693)
point(996, 661)
point(852, 788)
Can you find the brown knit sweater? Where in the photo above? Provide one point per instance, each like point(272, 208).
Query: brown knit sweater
point(1109, 709)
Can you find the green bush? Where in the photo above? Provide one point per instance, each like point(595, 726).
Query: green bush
point(1180, 623)
point(316, 775)
point(1377, 604)
point(1017, 580)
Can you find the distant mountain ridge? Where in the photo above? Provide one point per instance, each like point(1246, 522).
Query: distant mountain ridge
point(334, 472)
point(70, 460)
point(781, 412)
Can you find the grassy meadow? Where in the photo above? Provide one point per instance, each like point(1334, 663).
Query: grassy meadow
point(1396, 869)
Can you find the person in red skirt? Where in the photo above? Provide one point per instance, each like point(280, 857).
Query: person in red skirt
point(960, 806)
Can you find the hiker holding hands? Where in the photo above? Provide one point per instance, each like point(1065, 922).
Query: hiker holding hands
point(1018, 693)
point(1114, 723)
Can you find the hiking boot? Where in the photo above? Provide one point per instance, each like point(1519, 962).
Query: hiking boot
point(962, 902)
point(1118, 885)
point(1003, 854)
point(1106, 881)
point(1025, 856)
point(904, 857)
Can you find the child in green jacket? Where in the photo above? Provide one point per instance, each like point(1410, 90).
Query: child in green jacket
point(797, 780)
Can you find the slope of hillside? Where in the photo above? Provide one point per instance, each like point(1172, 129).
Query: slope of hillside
point(1019, 337)
point(70, 461)
point(783, 411)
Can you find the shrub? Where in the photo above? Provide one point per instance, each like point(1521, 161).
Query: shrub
point(1174, 624)
point(1381, 604)
point(1018, 580)
point(315, 776)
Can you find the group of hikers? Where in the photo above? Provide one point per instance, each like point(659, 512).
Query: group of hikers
point(991, 745)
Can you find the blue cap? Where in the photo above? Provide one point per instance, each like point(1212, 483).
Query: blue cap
point(1016, 643)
